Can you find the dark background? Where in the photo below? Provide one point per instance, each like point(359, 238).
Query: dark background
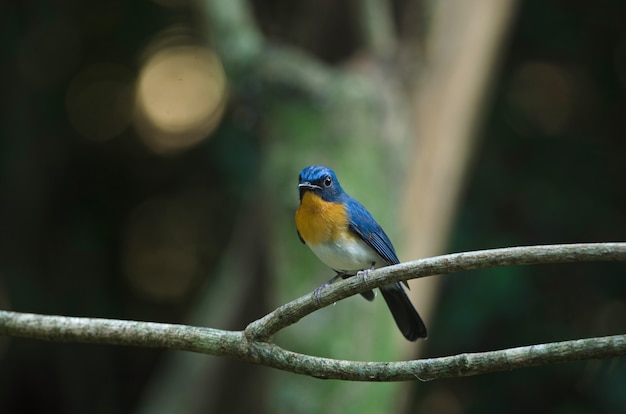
point(548, 168)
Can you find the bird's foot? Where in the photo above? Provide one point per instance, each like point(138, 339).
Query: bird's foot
point(365, 273)
point(318, 291)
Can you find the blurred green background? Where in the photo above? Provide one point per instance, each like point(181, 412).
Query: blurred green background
point(148, 161)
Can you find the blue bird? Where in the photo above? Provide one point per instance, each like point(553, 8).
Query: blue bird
point(345, 236)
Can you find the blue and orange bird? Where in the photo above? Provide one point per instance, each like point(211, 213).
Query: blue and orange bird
point(345, 236)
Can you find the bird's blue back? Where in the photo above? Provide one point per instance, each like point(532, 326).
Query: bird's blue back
point(364, 225)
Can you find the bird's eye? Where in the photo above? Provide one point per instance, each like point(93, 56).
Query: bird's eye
point(328, 181)
point(299, 177)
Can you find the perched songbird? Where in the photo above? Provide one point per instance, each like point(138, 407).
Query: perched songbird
point(345, 236)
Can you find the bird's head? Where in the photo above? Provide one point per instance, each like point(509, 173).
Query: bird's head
point(321, 181)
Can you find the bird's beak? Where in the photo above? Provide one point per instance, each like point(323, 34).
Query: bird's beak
point(305, 185)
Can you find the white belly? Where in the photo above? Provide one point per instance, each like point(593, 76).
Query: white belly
point(347, 255)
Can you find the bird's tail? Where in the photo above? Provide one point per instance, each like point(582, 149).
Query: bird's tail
point(405, 315)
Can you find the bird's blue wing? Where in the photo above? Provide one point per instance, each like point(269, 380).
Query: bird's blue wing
point(363, 224)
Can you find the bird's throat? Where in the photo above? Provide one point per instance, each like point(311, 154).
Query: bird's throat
point(320, 221)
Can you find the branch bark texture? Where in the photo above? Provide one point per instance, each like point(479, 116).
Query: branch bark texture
point(252, 344)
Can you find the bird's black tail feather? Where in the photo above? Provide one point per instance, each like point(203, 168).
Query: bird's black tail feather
point(405, 315)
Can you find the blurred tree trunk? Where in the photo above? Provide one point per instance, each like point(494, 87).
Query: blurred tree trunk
point(461, 51)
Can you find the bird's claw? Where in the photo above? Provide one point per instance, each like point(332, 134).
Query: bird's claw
point(364, 274)
point(318, 292)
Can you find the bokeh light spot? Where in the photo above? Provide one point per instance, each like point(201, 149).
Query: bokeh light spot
point(99, 101)
point(541, 97)
point(180, 98)
point(166, 245)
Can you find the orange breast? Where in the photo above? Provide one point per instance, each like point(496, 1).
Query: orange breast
point(320, 221)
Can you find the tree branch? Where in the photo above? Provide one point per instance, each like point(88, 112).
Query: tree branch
point(252, 344)
point(376, 24)
point(292, 312)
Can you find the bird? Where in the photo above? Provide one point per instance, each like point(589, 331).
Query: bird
point(346, 237)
